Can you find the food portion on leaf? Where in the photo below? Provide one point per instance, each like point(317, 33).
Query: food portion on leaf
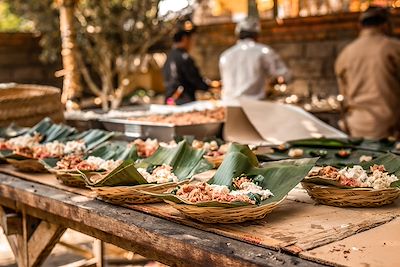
point(352, 177)
point(240, 181)
point(104, 158)
point(244, 190)
point(167, 164)
point(148, 147)
point(380, 173)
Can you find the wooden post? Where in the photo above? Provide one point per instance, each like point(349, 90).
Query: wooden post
point(71, 84)
point(275, 9)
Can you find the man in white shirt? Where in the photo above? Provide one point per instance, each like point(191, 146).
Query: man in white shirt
point(247, 66)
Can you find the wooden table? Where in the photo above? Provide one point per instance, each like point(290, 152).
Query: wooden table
point(34, 216)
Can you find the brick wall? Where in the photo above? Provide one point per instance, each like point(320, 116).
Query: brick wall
point(309, 46)
point(19, 61)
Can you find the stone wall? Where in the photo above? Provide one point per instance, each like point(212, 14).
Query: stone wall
point(19, 61)
point(309, 46)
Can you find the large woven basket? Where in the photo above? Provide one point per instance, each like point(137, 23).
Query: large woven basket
point(223, 214)
point(134, 194)
point(360, 197)
point(27, 165)
point(26, 104)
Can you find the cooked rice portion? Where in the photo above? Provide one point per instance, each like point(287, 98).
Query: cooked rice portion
point(161, 174)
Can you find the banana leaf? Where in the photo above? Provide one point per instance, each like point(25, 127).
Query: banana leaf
point(185, 160)
point(279, 177)
point(51, 131)
point(322, 142)
point(330, 158)
point(124, 175)
point(92, 138)
point(12, 131)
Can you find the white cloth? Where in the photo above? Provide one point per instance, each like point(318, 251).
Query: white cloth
point(245, 68)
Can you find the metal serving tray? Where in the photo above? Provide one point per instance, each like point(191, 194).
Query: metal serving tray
point(163, 132)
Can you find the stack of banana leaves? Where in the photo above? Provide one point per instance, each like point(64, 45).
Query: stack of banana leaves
point(333, 152)
point(47, 140)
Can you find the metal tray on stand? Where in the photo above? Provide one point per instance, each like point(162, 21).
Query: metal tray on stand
point(163, 132)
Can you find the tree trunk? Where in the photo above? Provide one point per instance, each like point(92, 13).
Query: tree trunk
point(71, 85)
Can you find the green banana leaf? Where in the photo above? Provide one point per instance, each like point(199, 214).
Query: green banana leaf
point(12, 130)
point(185, 161)
point(322, 142)
point(51, 131)
point(279, 177)
point(124, 175)
point(92, 138)
point(330, 158)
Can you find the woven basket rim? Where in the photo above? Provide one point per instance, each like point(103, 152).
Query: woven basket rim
point(24, 91)
point(356, 189)
point(137, 186)
point(230, 208)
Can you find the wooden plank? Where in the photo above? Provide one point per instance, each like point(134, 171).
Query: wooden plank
point(377, 247)
point(42, 242)
point(149, 236)
point(10, 222)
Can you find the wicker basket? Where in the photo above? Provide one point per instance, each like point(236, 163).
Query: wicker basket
point(133, 194)
point(359, 198)
point(72, 178)
point(225, 215)
point(27, 165)
point(26, 105)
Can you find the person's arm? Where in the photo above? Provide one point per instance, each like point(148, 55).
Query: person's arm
point(192, 74)
point(274, 66)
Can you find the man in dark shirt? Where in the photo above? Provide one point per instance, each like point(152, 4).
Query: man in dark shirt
point(181, 76)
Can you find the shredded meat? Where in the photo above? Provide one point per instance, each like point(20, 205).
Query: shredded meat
point(377, 168)
point(202, 192)
point(70, 162)
point(187, 118)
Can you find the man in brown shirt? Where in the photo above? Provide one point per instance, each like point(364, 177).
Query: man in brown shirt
point(368, 73)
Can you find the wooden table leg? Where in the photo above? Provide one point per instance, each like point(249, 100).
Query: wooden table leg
point(30, 239)
point(98, 251)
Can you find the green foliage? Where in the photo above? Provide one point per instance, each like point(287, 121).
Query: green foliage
point(113, 39)
point(11, 22)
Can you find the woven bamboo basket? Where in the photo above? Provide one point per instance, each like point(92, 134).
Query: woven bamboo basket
point(134, 194)
point(27, 104)
point(216, 161)
point(223, 214)
point(72, 179)
point(359, 198)
point(27, 165)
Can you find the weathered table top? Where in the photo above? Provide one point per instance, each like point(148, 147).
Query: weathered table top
point(152, 237)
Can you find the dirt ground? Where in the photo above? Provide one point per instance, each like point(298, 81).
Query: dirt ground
point(62, 255)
